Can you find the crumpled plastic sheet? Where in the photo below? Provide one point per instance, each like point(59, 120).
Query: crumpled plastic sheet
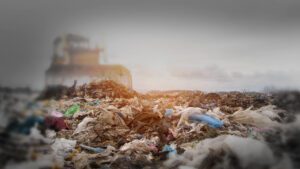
point(259, 118)
point(139, 146)
point(83, 125)
point(228, 151)
point(61, 147)
point(108, 128)
point(83, 160)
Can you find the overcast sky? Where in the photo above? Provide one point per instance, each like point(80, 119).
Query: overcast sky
point(167, 44)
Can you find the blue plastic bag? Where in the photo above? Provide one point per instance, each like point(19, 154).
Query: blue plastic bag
point(169, 112)
point(169, 149)
point(211, 121)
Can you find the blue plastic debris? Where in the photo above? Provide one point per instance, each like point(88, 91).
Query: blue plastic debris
point(211, 121)
point(93, 149)
point(170, 149)
point(25, 126)
point(94, 102)
point(169, 112)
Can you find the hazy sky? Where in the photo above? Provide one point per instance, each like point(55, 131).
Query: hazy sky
point(166, 44)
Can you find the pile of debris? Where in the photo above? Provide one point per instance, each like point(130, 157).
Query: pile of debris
point(106, 125)
point(104, 89)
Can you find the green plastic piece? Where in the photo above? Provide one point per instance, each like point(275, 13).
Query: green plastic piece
point(72, 110)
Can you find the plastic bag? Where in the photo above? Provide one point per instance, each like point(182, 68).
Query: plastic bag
point(83, 125)
point(211, 121)
point(229, 152)
point(252, 117)
point(92, 149)
point(72, 110)
point(62, 147)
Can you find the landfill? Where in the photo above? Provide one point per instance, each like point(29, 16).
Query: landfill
point(107, 125)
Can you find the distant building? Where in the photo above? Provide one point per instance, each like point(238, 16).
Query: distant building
point(74, 59)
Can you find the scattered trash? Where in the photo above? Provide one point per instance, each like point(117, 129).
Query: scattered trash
point(106, 125)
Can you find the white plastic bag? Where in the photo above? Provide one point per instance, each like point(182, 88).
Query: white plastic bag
point(252, 117)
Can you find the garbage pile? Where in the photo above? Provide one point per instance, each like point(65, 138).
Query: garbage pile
point(103, 89)
point(105, 125)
